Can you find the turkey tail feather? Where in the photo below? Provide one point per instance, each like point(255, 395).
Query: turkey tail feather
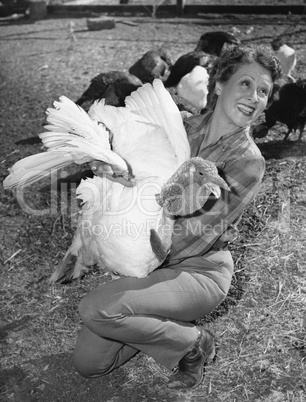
point(156, 104)
point(72, 137)
point(71, 128)
point(35, 167)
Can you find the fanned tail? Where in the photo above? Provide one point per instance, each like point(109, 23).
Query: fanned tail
point(70, 129)
point(35, 167)
point(155, 103)
point(72, 137)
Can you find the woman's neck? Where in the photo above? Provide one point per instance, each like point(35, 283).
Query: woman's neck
point(217, 128)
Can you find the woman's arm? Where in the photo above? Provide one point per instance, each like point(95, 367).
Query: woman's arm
point(197, 234)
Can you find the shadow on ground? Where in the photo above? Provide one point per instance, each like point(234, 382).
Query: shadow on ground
point(282, 149)
point(57, 381)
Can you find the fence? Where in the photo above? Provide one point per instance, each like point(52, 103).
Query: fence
point(156, 8)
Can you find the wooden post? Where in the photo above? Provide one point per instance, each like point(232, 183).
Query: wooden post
point(38, 9)
point(180, 5)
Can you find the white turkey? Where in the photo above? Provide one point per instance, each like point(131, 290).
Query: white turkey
point(194, 87)
point(126, 230)
point(287, 57)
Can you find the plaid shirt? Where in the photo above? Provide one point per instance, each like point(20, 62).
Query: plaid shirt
point(242, 166)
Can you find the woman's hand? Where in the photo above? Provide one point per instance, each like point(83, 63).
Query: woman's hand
point(103, 169)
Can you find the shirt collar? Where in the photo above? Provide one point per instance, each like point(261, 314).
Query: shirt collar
point(201, 124)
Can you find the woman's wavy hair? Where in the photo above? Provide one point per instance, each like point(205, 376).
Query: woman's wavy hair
point(233, 57)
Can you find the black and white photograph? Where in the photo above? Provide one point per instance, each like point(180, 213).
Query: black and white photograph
point(153, 201)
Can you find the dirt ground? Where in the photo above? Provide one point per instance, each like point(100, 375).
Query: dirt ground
point(261, 325)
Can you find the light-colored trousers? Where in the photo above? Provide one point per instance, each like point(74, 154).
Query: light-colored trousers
point(154, 315)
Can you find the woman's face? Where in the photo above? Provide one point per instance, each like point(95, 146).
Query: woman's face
point(244, 96)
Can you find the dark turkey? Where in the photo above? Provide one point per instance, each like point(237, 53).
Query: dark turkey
point(289, 109)
point(186, 63)
point(155, 63)
point(113, 86)
point(212, 42)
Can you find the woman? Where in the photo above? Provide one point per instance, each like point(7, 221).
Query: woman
point(156, 314)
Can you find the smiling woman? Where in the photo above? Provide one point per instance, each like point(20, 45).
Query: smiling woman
point(156, 314)
point(244, 96)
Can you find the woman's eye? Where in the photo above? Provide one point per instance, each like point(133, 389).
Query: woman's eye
point(264, 91)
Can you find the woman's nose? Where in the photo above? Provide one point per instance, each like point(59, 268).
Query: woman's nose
point(253, 96)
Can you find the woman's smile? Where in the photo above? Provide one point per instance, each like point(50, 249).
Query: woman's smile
point(246, 110)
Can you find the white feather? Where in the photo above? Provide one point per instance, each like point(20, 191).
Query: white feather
point(72, 137)
point(159, 105)
point(194, 87)
point(288, 59)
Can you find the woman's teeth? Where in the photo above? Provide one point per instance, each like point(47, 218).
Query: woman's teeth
point(245, 109)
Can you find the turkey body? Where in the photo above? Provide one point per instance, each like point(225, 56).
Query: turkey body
point(289, 109)
point(186, 63)
point(155, 63)
point(124, 229)
point(115, 233)
point(194, 87)
point(113, 86)
point(287, 57)
point(124, 217)
point(208, 48)
point(213, 42)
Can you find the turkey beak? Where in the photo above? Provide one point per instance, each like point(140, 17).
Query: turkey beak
point(214, 184)
point(217, 180)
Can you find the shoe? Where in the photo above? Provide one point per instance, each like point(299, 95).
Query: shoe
point(190, 372)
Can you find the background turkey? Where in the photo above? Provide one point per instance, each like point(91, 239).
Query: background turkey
point(212, 42)
point(186, 63)
point(287, 56)
point(113, 86)
point(155, 63)
point(194, 87)
point(289, 109)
